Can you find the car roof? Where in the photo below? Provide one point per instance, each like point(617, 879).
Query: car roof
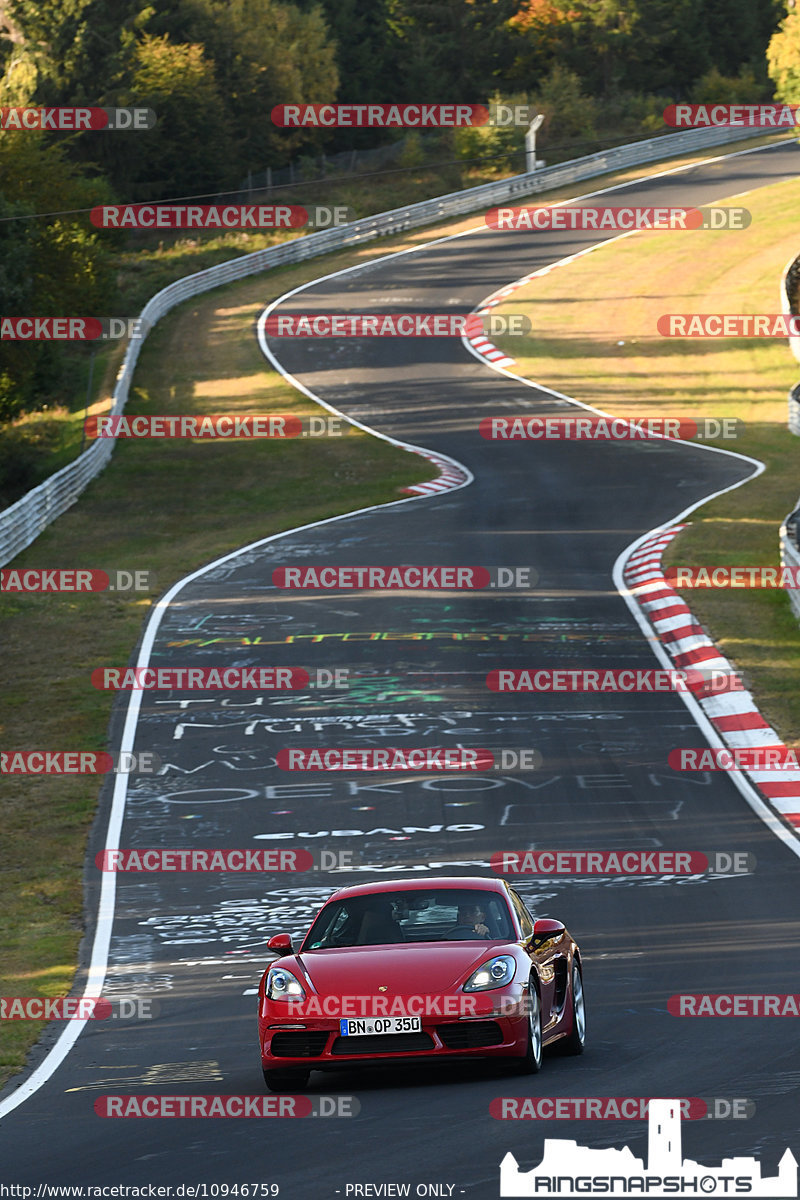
point(416, 885)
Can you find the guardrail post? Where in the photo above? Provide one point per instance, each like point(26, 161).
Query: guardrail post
point(24, 521)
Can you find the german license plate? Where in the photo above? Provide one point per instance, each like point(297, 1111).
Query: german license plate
point(361, 1026)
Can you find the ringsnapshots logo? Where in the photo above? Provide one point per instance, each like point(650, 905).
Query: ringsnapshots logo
point(400, 116)
point(219, 216)
point(615, 220)
point(591, 428)
point(77, 120)
point(217, 427)
point(569, 1170)
point(399, 325)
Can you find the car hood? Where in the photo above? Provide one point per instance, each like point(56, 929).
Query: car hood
point(400, 969)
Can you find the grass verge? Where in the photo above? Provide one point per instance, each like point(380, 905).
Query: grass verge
point(596, 340)
point(168, 509)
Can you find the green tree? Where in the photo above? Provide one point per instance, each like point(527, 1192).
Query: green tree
point(363, 41)
point(55, 267)
point(783, 59)
point(265, 53)
point(72, 51)
point(568, 113)
point(452, 50)
point(716, 88)
point(188, 150)
point(642, 45)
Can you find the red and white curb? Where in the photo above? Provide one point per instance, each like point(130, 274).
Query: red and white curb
point(452, 476)
point(481, 344)
point(734, 715)
point(487, 349)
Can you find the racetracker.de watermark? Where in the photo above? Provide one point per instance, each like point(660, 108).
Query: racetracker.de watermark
point(711, 681)
point(156, 859)
point(428, 1006)
point(399, 115)
point(738, 758)
point(234, 679)
point(755, 116)
point(622, 862)
point(219, 427)
point(78, 762)
point(606, 429)
point(616, 220)
point(78, 1008)
point(403, 577)
point(407, 324)
point(783, 576)
point(733, 325)
point(150, 1105)
point(219, 216)
point(726, 1004)
point(614, 1108)
point(423, 758)
point(76, 579)
point(77, 120)
point(71, 329)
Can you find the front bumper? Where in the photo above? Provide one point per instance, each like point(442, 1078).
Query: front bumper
point(317, 1044)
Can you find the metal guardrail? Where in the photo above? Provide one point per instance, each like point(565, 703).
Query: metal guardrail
point(21, 523)
point(790, 557)
point(790, 291)
point(789, 530)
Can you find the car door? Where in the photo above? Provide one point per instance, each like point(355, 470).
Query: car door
point(549, 963)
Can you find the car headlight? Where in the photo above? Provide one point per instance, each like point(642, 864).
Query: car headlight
point(495, 973)
point(282, 985)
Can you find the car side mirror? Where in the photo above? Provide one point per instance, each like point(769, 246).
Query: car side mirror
point(545, 930)
point(281, 943)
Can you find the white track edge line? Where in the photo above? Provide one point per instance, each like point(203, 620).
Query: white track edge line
point(98, 964)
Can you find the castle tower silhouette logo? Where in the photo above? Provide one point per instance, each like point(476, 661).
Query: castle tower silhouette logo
point(568, 1169)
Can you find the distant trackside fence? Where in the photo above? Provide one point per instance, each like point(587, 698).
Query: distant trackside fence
point(22, 523)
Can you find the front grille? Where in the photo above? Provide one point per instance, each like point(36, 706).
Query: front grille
point(303, 1043)
point(469, 1035)
point(382, 1043)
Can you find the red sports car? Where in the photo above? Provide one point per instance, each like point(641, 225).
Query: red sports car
point(447, 968)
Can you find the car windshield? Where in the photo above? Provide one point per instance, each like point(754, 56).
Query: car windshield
point(437, 915)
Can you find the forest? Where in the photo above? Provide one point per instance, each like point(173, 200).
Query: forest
point(601, 72)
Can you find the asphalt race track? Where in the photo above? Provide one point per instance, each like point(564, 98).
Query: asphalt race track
point(195, 943)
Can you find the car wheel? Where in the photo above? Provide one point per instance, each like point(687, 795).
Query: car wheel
point(531, 1062)
point(286, 1081)
point(576, 1041)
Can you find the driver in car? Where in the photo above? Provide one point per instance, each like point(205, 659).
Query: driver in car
point(472, 916)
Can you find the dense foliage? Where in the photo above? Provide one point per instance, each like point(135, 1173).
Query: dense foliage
point(214, 69)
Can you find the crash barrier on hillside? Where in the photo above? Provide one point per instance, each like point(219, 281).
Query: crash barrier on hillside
point(790, 303)
point(790, 553)
point(794, 409)
point(21, 523)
